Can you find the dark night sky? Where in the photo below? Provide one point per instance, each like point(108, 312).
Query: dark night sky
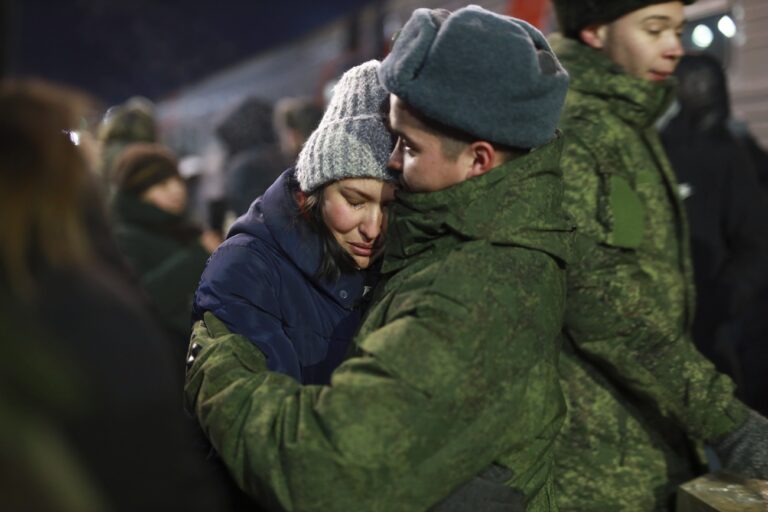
point(117, 48)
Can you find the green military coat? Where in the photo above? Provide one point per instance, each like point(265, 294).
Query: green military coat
point(636, 387)
point(456, 366)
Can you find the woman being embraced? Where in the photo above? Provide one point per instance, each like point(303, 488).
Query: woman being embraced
point(294, 270)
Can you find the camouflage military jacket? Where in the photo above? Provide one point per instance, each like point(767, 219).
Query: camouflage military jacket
point(635, 384)
point(456, 365)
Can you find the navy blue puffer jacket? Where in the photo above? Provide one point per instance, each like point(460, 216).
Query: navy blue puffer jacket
point(261, 283)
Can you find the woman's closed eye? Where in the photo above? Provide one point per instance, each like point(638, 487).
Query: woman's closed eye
point(355, 202)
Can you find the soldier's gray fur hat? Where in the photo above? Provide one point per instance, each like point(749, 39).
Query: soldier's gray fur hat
point(574, 15)
point(352, 140)
point(493, 77)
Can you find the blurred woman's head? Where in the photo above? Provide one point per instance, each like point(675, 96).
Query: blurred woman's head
point(45, 179)
point(345, 185)
point(151, 173)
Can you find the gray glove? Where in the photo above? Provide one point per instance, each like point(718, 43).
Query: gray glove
point(486, 492)
point(745, 450)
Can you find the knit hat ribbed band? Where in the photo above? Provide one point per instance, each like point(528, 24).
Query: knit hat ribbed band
point(574, 15)
point(491, 76)
point(352, 140)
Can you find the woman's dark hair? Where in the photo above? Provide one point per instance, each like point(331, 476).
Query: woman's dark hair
point(335, 260)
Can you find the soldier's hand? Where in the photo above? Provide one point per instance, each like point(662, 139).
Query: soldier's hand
point(198, 341)
point(214, 349)
point(487, 491)
point(204, 333)
point(745, 450)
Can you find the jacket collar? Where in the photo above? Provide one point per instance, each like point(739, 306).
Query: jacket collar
point(636, 101)
point(517, 203)
point(278, 211)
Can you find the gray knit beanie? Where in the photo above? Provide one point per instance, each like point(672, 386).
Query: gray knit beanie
point(491, 76)
point(352, 140)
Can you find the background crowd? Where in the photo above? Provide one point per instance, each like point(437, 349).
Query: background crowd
point(106, 232)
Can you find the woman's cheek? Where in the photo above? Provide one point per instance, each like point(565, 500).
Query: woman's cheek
point(342, 217)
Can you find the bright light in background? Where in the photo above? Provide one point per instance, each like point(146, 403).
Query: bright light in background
point(702, 36)
point(73, 136)
point(726, 26)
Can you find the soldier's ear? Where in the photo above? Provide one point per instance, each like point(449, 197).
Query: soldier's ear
point(483, 158)
point(594, 35)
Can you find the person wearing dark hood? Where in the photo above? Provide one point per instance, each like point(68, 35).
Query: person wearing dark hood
point(166, 252)
point(728, 214)
point(80, 433)
point(253, 158)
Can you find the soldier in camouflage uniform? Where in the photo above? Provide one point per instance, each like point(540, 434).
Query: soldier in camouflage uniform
point(638, 391)
point(456, 365)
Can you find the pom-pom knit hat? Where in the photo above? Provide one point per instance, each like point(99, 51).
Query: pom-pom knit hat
point(352, 140)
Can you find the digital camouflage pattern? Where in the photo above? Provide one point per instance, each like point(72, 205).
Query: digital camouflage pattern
point(456, 364)
point(636, 387)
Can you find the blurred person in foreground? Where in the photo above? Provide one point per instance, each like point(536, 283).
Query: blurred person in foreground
point(165, 250)
point(79, 432)
point(728, 214)
point(639, 393)
point(454, 372)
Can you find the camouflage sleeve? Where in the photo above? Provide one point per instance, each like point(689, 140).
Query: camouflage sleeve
point(394, 431)
point(351, 446)
point(615, 320)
